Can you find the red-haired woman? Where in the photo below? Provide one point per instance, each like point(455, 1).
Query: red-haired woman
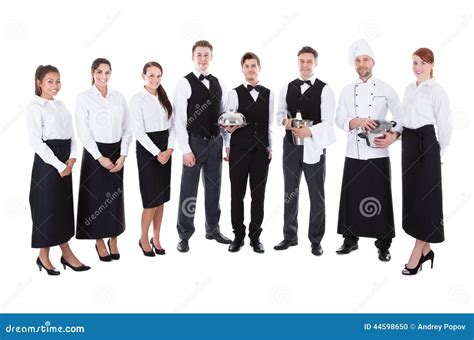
point(103, 128)
point(426, 105)
point(152, 117)
point(52, 138)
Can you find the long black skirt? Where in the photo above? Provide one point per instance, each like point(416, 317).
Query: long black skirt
point(421, 181)
point(51, 201)
point(153, 176)
point(100, 211)
point(366, 207)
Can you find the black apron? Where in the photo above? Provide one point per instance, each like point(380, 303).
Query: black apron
point(100, 211)
point(51, 200)
point(153, 176)
point(365, 207)
point(421, 181)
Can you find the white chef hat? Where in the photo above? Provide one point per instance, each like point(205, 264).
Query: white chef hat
point(359, 47)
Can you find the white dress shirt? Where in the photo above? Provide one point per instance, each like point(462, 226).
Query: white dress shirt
point(148, 115)
point(49, 119)
point(322, 133)
point(233, 103)
point(428, 103)
point(102, 120)
point(370, 99)
point(180, 103)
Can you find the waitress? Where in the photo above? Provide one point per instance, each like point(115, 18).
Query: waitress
point(426, 104)
point(103, 128)
point(152, 121)
point(52, 138)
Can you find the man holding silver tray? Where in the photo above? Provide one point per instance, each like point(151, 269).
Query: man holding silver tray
point(249, 150)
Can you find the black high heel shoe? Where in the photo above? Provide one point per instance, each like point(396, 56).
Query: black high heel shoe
point(49, 271)
point(105, 258)
point(146, 253)
point(158, 251)
point(112, 255)
point(427, 257)
point(413, 271)
point(81, 268)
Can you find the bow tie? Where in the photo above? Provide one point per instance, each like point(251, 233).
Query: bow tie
point(202, 77)
point(301, 82)
point(256, 87)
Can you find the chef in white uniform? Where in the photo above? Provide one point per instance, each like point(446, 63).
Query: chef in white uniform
point(366, 199)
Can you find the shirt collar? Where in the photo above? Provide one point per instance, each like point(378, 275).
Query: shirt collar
point(429, 82)
point(144, 92)
point(40, 100)
point(312, 79)
point(96, 91)
point(372, 79)
point(198, 73)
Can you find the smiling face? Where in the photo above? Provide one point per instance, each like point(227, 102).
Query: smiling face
point(152, 78)
point(363, 66)
point(421, 69)
point(202, 57)
point(101, 75)
point(250, 69)
point(306, 63)
point(49, 85)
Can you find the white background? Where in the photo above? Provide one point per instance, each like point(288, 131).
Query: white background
point(70, 35)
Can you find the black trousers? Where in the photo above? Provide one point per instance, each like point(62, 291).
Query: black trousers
point(208, 153)
point(248, 164)
point(315, 175)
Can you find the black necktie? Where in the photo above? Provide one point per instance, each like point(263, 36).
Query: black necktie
point(301, 82)
point(256, 87)
point(202, 77)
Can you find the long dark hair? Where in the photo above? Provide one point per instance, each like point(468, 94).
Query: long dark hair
point(95, 65)
point(40, 73)
point(162, 96)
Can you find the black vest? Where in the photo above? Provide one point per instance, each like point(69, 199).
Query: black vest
point(308, 103)
point(255, 133)
point(204, 107)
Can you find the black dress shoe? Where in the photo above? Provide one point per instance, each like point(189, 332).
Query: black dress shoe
point(158, 251)
point(105, 258)
point(150, 253)
point(257, 246)
point(384, 255)
point(236, 245)
point(112, 255)
point(285, 244)
point(316, 249)
point(346, 248)
point(219, 238)
point(183, 246)
point(81, 268)
point(49, 271)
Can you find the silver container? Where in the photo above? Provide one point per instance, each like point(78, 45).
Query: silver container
point(298, 123)
point(229, 119)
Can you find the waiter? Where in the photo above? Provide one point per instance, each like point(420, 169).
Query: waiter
point(366, 197)
point(250, 152)
point(198, 102)
point(314, 100)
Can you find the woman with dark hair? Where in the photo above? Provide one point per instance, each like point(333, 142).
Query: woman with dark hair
point(52, 138)
point(103, 128)
point(152, 117)
point(426, 105)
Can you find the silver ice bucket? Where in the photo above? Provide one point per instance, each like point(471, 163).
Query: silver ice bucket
point(298, 123)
